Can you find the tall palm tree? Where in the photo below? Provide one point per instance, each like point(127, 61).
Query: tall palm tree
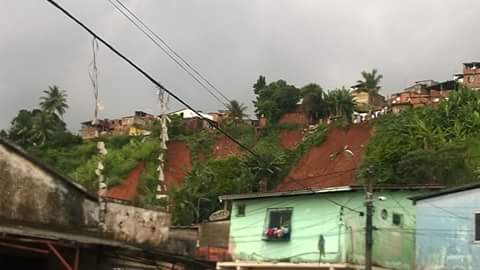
point(371, 81)
point(370, 84)
point(236, 110)
point(54, 101)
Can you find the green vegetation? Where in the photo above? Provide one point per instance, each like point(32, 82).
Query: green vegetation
point(197, 197)
point(277, 98)
point(54, 101)
point(43, 133)
point(43, 127)
point(200, 144)
point(340, 104)
point(427, 145)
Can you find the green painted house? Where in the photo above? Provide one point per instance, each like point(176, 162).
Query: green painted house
point(322, 227)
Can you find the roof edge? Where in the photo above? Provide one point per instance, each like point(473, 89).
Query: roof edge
point(259, 195)
point(275, 194)
point(445, 192)
point(54, 172)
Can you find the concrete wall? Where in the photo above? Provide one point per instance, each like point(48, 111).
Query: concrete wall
point(31, 196)
point(214, 234)
point(136, 225)
point(445, 232)
point(183, 240)
point(343, 231)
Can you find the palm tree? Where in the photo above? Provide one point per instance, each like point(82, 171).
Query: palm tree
point(340, 103)
point(370, 81)
point(54, 101)
point(370, 84)
point(44, 126)
point(236, 110)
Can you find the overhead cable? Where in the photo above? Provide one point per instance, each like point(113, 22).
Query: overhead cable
point(168, 50)
point(150, 78)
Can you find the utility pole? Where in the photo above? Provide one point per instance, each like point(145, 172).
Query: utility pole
point(369, 226)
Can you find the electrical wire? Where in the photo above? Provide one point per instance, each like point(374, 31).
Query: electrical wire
point(150, 78)
point(174, 52)
point(163, 49)
point(159, 85)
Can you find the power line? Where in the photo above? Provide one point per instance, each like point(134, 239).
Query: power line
point(150, 78)
point(116, 3)
point(174, 52)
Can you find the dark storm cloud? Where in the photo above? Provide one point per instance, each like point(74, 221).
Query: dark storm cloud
point(231, 42)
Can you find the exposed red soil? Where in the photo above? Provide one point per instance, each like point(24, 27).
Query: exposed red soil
point(128, 189)
point(298, 118)
point(290, 139)
point(178, 163)
point(317, 168)
point(224, 147)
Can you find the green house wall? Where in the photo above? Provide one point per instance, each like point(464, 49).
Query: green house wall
point(343, 230)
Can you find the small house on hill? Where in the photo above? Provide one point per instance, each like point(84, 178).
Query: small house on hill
point(366, 101)
point(421, 94)
point(471, 75)
point(448, 228)
point(193, 121)
point(137, 124)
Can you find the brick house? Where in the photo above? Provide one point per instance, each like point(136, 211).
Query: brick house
point(421, 94)
point(137, 124)
point(471, 75)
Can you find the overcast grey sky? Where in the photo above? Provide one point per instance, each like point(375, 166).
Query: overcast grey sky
point(231, 42)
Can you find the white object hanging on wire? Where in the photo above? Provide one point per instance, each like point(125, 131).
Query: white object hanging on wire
point(93, 74)
point(163, 99)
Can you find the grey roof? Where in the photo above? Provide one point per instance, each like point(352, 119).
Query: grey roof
point(446, 192)
point(282, 193)
point(67, 180)
point(273, 194)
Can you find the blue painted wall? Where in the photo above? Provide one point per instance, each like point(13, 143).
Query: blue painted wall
point(445, 232)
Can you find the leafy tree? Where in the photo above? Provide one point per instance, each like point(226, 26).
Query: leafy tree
point(54, 101)
point(314, 101)
point(20, 130)
point(236, 110)
point(44, 126)
point(340, 104)
point(276, 99)
point(259, 85)
point(196, 198)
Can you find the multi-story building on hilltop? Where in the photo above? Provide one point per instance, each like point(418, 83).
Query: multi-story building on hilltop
point(137, 124)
